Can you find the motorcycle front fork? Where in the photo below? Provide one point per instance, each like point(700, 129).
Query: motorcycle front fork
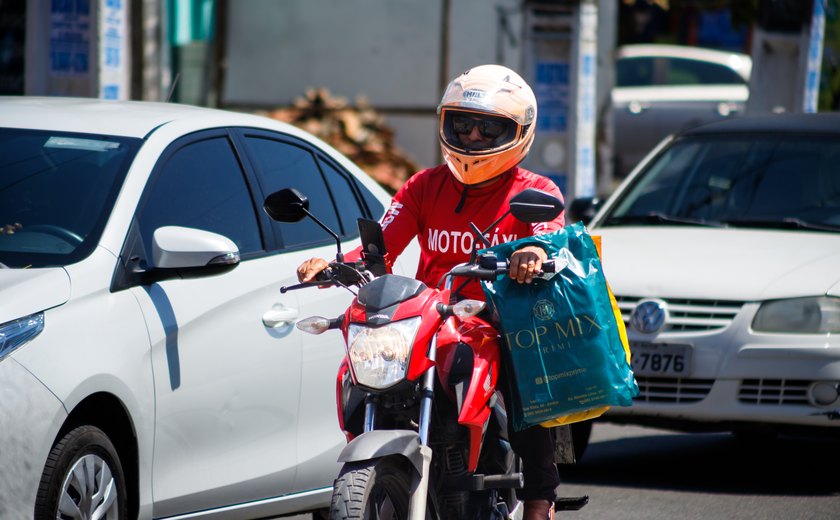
point(420, 484)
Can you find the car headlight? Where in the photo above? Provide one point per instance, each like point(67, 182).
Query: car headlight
point(380, 355)
point(817, 315)
point(16, 333)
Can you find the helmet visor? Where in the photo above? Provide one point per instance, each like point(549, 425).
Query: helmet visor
point(470, 131)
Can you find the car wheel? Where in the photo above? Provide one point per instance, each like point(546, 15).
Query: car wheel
point(83, 478)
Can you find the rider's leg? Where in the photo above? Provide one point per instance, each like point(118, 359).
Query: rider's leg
point(535, 447)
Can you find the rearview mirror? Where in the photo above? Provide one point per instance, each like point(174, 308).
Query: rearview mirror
point(533, 205)
point(290, 206)
point(287, 205)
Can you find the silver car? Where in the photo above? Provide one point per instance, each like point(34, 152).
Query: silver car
point(723, 251)
point(661, 89)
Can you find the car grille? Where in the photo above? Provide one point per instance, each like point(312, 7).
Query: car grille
point(774, 391)
point(672, 389)
point(752, 391)
point(687, 315)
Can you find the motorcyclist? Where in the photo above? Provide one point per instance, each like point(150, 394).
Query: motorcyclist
point(486, 127)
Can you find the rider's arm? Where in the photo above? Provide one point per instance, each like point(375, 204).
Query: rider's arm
point(401, 222)
point(559, 222)
point(528, 260)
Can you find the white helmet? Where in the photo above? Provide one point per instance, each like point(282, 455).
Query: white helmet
point(503, 106)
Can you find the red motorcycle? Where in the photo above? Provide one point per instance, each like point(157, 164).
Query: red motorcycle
point(416, 392)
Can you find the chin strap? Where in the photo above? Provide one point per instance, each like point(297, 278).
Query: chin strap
point(461, 202)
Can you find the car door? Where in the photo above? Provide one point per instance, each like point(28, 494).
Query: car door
point(337, 200)
point(227, 384)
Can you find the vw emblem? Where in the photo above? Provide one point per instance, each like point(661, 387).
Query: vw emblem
point(649, 316)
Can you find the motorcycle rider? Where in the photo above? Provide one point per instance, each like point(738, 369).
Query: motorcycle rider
point(486, 127)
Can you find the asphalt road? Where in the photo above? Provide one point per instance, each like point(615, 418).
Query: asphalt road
point(638, 473)
point(632, 473)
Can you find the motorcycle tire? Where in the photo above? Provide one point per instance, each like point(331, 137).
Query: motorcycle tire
point(377, 488)
point(83, 477)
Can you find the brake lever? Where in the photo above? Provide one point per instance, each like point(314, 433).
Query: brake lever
point(286, 288)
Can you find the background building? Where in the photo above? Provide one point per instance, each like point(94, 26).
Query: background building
point(262, 55)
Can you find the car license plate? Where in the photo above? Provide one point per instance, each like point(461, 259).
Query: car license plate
point(660, 359)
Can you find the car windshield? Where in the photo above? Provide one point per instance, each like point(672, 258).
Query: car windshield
point(765, 181)
point(56, 192)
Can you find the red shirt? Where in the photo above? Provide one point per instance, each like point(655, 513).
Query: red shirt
point(434, 207)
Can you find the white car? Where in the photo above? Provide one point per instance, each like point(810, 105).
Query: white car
point(149, 363)
point(723, 251)
point(661, 89)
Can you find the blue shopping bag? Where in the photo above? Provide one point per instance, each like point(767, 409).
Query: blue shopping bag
point(565, 351)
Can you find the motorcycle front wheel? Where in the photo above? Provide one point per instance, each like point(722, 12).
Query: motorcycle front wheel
point(373, 489)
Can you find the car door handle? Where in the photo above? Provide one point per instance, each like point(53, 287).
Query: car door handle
point(279, 316)
point(637, 107)
point(727, 109)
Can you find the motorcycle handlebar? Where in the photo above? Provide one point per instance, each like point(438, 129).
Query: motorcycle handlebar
point(337, 273)
point(350, 273)
point(490, 273)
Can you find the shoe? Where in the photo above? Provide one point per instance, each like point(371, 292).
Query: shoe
point(538, 510)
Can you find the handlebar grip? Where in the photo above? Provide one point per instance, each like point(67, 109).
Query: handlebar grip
point(322, 276)
point(548, 266)
point(474, 271)
point(487, 271)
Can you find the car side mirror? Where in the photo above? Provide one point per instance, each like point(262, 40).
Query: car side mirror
point(584, 209)
point(175, 247)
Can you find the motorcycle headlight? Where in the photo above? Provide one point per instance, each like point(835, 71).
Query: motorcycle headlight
point(816, 315)
point(16, 333)
point(380, 355)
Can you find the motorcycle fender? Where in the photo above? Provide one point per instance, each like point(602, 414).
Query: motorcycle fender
point(382, 443)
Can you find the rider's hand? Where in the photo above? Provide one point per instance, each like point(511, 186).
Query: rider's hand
point(525, 262)
point(307, 271)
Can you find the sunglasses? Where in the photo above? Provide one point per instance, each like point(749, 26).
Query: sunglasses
point(488, 128)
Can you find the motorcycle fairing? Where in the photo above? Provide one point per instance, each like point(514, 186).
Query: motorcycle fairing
point(474, 395)
point(388, 291)
point(350, 402)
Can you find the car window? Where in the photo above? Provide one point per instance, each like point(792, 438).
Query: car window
point(634, 72)
point(695, 72)
point(200, 184)
point(345, 190)
point(650, 71)
point(286, 164)
point(56, 193)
